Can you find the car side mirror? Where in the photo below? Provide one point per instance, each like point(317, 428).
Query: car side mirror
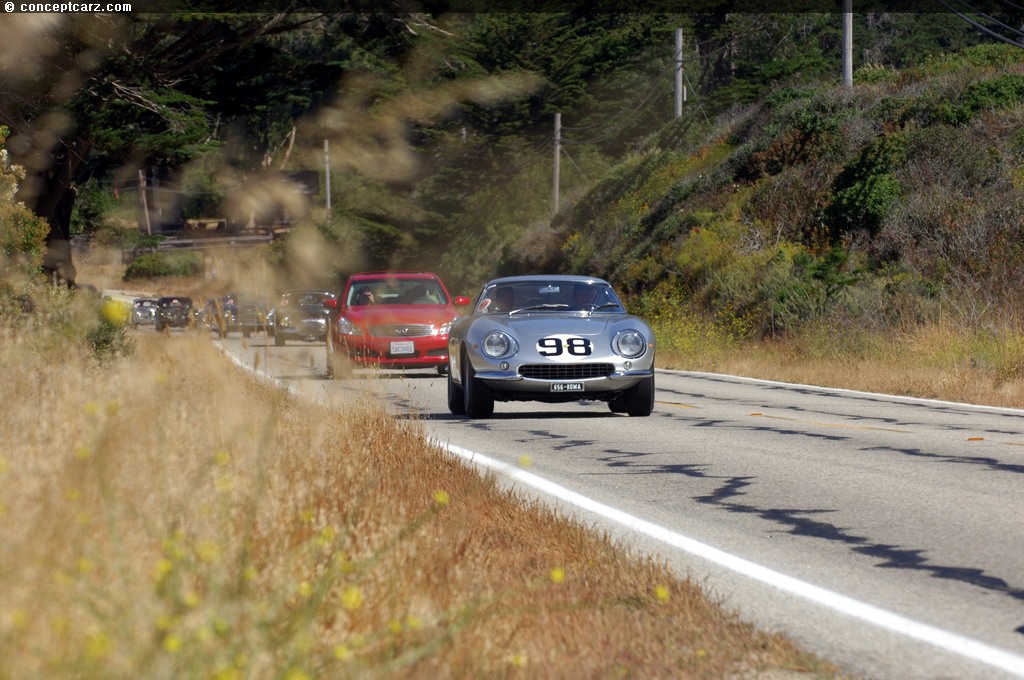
point(461, 300)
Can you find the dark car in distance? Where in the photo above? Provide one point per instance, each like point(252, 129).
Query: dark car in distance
point(244, 313)
point(143, 312)
point(300, 315)
point(174, 311)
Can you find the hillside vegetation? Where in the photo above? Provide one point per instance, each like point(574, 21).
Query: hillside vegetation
point(883, 222)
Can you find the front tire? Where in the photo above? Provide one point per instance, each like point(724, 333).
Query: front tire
point(640, 398)
point(456, 397)
point(479, 397)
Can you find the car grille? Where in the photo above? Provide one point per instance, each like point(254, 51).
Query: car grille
point(402, 331)
point(565, 371)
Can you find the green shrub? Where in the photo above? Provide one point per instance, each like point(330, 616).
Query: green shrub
point(93, 203)
point(160, 264)
point(867, 189)
point(202, 193)
point(998, 93)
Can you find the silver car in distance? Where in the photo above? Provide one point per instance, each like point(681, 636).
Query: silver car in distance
point(550, 339)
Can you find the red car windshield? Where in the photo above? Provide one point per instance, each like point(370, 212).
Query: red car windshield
point(385, 291)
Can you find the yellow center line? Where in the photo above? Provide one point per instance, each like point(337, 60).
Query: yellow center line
point(676, 404)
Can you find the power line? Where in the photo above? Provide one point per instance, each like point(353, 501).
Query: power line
point(982, 27)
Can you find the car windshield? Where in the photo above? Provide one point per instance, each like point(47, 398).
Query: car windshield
point(176, 302)
point(543, 295)
point(396, 292)
point(308, 298)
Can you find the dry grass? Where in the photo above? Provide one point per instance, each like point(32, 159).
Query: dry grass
point(169, 516)
point(943, 361)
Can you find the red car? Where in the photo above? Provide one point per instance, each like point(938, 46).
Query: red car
point(391, 320)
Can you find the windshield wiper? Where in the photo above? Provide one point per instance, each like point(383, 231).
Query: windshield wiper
point(549, 305)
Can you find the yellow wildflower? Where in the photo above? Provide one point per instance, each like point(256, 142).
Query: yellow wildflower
point(661, 593)
point(98, 646)
point(557, 575)
point(342, 653)
point(352, 598)
point(525, 461)
point(517, 659)
point(172, 643)
point(115, 312)
point(441, 498)
point(208, 551)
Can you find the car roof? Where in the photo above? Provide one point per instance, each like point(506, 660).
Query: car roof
point(552, 278)
point(393, 275)
point(302, 291)
point(179, 298)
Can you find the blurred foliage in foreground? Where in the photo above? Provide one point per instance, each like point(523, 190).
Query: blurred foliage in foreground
point(168, 516)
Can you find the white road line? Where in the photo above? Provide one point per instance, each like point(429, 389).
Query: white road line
point(950, 642)
point(937, 637)
point(842, 390)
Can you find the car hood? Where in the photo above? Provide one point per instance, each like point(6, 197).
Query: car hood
point(544, 324)
point(400, 314)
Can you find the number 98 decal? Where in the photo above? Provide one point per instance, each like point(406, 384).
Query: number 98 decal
point(564, 347)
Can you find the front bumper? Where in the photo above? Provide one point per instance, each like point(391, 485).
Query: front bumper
point(426, 352)
point(307, 329)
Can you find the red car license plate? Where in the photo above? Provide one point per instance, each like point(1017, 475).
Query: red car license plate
point(403, 347)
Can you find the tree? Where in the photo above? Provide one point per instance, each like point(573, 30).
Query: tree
point(86, 93)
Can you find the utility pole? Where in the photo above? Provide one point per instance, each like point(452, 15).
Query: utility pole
point(143, 188)
point(327, 173)
point(680, 88)
point(558, 158)
point(848, 43)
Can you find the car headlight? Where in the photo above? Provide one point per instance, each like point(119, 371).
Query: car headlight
point(346, 327)
point(445, 328)
point(497, 344)
point(629, 344)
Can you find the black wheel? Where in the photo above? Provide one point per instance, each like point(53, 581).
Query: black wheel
point(456, 398)
point(442, 369)
point(479, 397)
point(640, 398)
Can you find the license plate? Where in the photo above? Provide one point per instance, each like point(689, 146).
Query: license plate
point(567, 387)
point(403, 347)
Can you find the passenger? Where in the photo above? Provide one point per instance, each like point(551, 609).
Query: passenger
point(504, 300)
point(364, 297)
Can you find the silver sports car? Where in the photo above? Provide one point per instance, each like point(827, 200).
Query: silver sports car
point(550, 339)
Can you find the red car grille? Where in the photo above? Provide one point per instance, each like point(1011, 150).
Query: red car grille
point(565, 371)
point(412, 330)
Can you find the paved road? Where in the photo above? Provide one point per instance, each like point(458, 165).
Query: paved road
point(885, 534)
